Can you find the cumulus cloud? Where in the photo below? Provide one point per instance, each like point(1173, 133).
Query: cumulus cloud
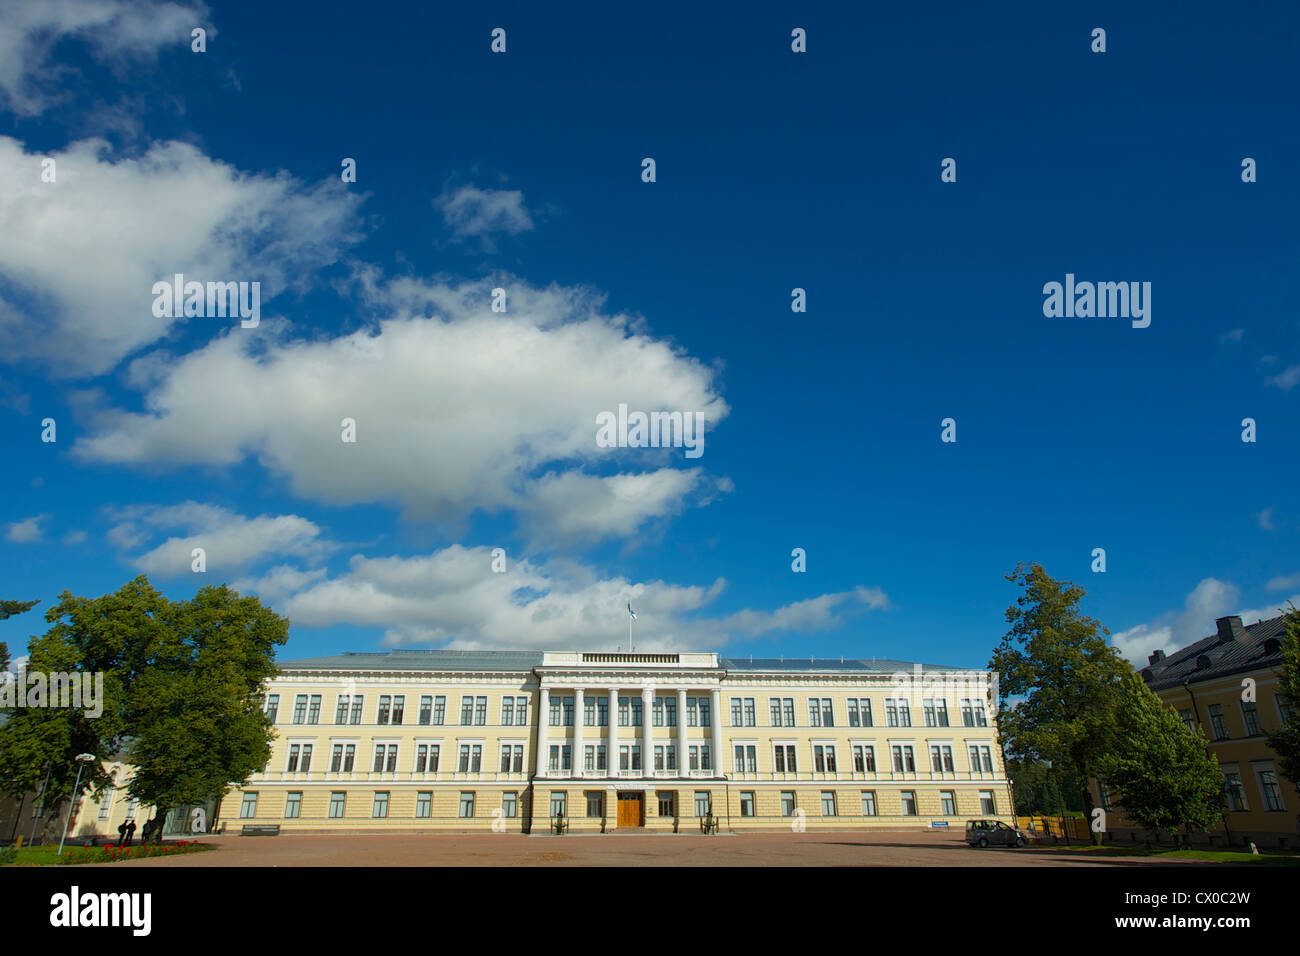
point(1265, 519)
point(1210, 599)
point(230, 541)
point(116, 32)
point(1287, 379)
point(79, 256)
point(470, 211)
point(453, 598)
point(1284, 582)
point(465, 409)
point(26, 531)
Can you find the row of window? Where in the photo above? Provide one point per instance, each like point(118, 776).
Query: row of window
point(391, 710)
point(560, 758)
point(596, 804)
point(1249, 718)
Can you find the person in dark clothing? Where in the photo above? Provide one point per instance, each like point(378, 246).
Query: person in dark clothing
point(130, 832)
point(121, 834)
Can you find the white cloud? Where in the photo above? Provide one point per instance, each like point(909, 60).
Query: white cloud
point(1288, 379)
point(1265, 519)
point(26, 531)
point(1210, 599)
point(116, 32)
point(1282, 583)
point(1252, 615)
point(470, 211)
point(469, 409)
point(1234, 336)
point(79, 257)
point(230, 541)
point(74, 537)
point(453, 598)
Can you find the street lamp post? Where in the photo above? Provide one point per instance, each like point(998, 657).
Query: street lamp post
point(82, 759)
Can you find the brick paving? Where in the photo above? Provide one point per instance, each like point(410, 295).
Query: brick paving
point(512, 849)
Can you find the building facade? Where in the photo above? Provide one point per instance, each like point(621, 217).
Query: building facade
point(1225, 686)
point(514, 741)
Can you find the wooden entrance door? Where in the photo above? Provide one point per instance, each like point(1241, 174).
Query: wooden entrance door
point(631, 809)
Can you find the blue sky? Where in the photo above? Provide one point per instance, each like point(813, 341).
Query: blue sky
point(775, 170)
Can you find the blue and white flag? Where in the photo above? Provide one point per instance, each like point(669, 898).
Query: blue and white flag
point(631, 612)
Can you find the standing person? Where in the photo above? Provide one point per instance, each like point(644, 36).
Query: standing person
point(130, 832)
point(121, 833)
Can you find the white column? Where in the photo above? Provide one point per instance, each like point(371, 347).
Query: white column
point(611, 754)
point(716, 749)
point(682, 764)
point(543, 722)
point(577, 732)
point(647, 728)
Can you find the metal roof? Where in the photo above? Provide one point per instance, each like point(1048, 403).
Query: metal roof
point(1221, 657)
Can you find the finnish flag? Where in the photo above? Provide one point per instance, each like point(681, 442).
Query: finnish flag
point(631, 612)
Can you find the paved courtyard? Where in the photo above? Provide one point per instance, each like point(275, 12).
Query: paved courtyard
point(751, 849)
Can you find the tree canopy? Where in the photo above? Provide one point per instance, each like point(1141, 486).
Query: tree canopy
point(1286, 741)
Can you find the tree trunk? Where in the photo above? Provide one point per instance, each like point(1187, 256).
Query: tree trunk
point(155, 836)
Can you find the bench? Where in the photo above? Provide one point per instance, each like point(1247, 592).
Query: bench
point(260, 829)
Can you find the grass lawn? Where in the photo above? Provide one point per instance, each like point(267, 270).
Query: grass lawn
point(49, 855)
point(1265, 857)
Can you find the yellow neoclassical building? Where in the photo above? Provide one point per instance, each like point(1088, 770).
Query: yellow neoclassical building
point(514, 741)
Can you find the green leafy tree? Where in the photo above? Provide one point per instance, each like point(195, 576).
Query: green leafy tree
point(182, 694)
point(1160, 770)
point(1287, 739)
point(1059, 681)
point(7, 610)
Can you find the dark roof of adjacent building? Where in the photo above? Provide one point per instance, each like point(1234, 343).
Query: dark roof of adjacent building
point(1233, 649)
point(522, 661)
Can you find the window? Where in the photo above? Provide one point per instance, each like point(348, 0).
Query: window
point(426, 711)
point(828, 803)
point(706, 716)
point(972, 713)
point(670, 707)
point(1189, 719)
point(293, 805)
point(859, 712)
point(1268, 788)
point(636, 757)
point(424, 804)
point(299, 758)
point(337, 802)
point(399, 708)
point(341, 709)
point(349, 755)
point(313, 710)
point(672, 758)
point(658, 711)
point(568, 711)
point(948, 800)
point(467, 711)
point(820, 713)
point(940, 758)
point(747, 803)
point(300, 709)
point(305, 766)
point(385, 758)
point(703, 803)
point(735, 712)
point(588, 711)
point(705, 761)
point(659, 758)
point(904, 760)
point(981, 757)
point(505, 758)
point(602, 712)
point(480, 710)
point(248, 808)
point(600, 757)
point(936, 712)
point(868, 803)
point(1232, 787)
point(380, 808)
point(695, 758)
point(987, 805)
point(106, 803)
point(471, 756)
point(864, 758)
point(589, 758)
point(787, 803)
point(667, 805)
point(426, 758)
point(774, 709)
point(636, 712)
point(336, 758)
point(787, 707)
point(692, 712)
point(507, 711)
point(357, 703)
point(743, 712)
point(897, 712)
point(439, 711)
point(385, 703)
point(622, 712)
point(518, 764)
point(824, 758)
point(558, 803)
point(909, 803)
point(1250, 718)
point(595, 805)
point(746, 758)
point(623, 759)
point(783, 759)
point(467, 804)
point(1285, 710)
point(1217, 724)
point(510, 804)
point(272, 706)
